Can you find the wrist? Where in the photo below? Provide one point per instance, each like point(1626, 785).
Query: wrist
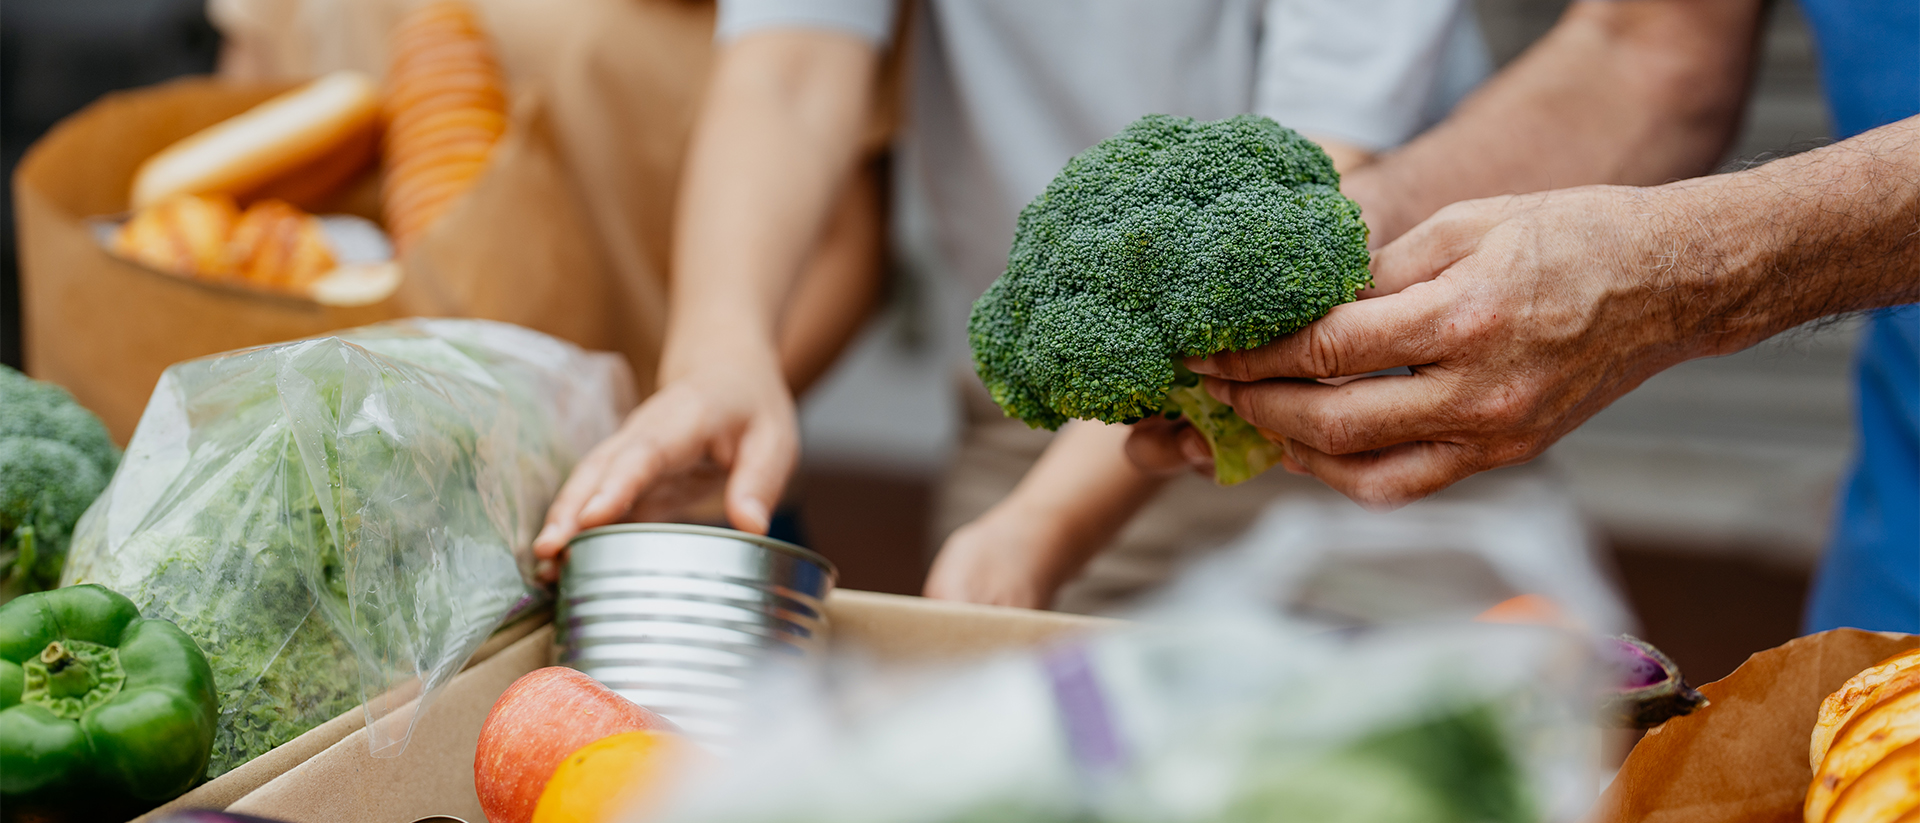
point(725, 346)
point(1032, 537)
point(1709, 256)
point(1371, 187)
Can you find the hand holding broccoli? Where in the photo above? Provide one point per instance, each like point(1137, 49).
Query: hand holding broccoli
point(1521, 317)
point(1171, 239)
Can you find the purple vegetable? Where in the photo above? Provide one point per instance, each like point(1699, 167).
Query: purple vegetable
point(1650, 689)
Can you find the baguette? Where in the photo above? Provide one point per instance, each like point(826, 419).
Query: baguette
point(306, 141)
point(445, 108)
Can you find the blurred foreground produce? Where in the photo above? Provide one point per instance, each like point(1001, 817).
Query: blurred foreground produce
point(1866, 747)
point(1202, 718)
point(446, 107)
point(101, 711)
point(1647, 689)
point(543, 718)
point(335, 517)
point(613, 779)
point(1171, 239)
point(55, 458)
point(1650, 688)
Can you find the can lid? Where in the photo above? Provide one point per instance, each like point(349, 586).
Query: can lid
point(771, 543)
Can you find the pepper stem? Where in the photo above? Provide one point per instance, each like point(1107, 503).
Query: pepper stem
point(67, 674)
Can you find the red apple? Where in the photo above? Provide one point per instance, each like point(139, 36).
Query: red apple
point(543, 717)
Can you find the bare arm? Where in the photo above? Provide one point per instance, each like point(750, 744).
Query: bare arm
point(765, 182)
point(1070, 505)
point(775, 145)
point(1633, 92)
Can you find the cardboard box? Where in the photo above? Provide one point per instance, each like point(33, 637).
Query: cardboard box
point(224, 790)
point(331, 778)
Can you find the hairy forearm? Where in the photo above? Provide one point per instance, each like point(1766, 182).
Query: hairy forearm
point(1630, 92)
point(776, 143)
point(1826, 232)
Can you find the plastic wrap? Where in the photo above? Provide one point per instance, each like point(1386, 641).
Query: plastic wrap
point(1221, 719)
point(344, 519)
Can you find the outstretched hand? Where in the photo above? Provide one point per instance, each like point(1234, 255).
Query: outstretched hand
point(734, 425)
point(1520, 318)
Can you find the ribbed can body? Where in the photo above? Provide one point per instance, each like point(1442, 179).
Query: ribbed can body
point(679, 618)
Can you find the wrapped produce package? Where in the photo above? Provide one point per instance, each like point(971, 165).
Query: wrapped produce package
point(1201, 718)
point(344, 519)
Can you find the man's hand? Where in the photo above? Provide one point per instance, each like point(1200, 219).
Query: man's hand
point(1523, 316)
point(1520, 316)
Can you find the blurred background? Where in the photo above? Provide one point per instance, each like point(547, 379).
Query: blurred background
point(1709, 486)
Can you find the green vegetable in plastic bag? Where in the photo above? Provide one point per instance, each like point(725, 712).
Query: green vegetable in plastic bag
point(338, 518)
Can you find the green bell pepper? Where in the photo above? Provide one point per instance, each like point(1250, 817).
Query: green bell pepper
point(97, 704)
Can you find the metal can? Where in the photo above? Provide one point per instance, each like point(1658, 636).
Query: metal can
point(679, 618)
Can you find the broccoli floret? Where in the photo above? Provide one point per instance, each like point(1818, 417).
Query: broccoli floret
point(55, 458)
point(1170, 239)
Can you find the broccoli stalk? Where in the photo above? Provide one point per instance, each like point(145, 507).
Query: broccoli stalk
point(1240, 451)
point(1174, 238)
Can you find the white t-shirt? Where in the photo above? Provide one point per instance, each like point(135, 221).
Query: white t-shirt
point(1001, 93)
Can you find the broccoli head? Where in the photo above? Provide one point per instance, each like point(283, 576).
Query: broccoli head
point(55, 458)
point(1170, 239)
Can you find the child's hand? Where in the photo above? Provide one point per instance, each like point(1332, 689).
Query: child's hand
point(1162, 448)
point(1000, 559)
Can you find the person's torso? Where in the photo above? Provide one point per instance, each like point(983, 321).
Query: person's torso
point(1004, 92)
point(1869, 54)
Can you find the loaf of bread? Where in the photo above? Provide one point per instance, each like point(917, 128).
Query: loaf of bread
point(299, 146)
point(1866, 747)
point(277, 246)
point(272, 244)
point(184, 235)
point(445, 109)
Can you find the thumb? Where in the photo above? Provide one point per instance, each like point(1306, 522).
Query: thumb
point(1436, 244)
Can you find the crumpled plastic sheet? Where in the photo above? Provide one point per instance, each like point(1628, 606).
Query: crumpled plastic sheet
point(343, 520)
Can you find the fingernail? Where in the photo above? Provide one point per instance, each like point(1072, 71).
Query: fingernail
point(753, 516)
point(1216, 389)
point(550, 534)
point(597, 504)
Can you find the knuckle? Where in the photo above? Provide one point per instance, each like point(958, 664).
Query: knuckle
point(1380, 494)
point(1323, 351)
point(1509, 451)
point(1505, 409)
point(1229, 365)
point(1335, 430)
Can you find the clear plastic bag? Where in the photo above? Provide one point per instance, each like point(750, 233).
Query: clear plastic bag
point(344, 519)
point(1229, 717)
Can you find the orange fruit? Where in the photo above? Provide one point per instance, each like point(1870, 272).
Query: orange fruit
point(613, 778)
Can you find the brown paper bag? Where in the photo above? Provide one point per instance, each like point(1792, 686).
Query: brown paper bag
point(1743, 759)
point(623, 80)
point(517, 249)
point(568, 232)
